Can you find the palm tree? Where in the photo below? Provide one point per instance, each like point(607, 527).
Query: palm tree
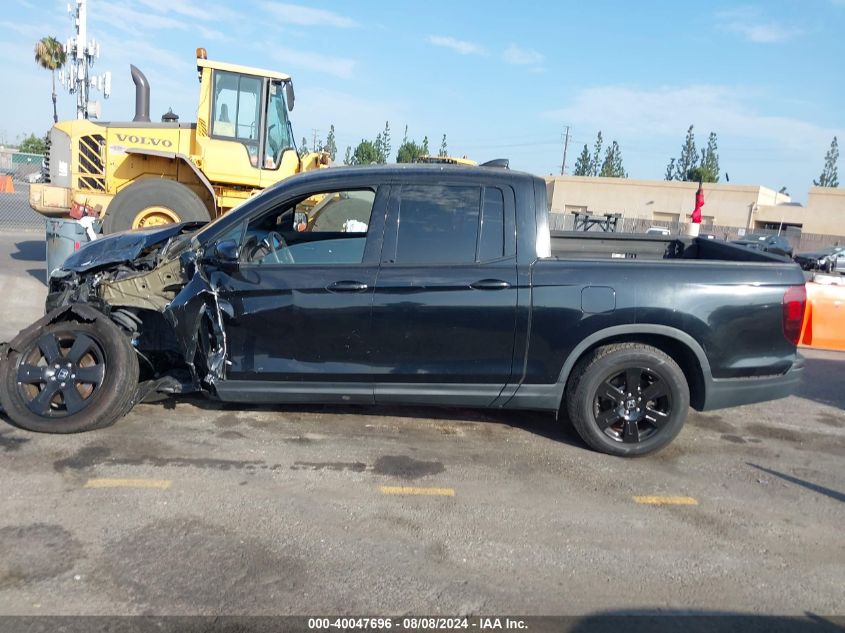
point(51, 55)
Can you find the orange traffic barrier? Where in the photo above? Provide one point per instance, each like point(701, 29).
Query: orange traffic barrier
point(6, 184)
point(824, 318)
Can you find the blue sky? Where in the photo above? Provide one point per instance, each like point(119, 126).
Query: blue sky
point(498, 78)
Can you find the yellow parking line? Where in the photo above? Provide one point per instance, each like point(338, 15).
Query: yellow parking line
point(411, 490)
point(667, 501)
point(128, 483)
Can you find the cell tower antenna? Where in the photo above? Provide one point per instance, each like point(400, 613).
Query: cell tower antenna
point(81, 53)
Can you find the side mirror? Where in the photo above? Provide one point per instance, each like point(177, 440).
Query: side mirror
point(227, 252)
point(289, 95)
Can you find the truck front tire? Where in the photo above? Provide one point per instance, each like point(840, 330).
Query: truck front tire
point(153, 202)
point(69, 377)
point(627, 399)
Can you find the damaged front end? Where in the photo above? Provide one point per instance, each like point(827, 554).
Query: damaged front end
point(150, 284)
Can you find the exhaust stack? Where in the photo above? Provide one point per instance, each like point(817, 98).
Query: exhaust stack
point(142, 95)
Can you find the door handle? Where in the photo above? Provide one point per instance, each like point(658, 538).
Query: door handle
point(490, 284)
point(347, 286)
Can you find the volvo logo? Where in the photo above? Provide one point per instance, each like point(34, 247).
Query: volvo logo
point(144, 140)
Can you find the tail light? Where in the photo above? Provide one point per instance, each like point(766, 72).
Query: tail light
point(794, 302)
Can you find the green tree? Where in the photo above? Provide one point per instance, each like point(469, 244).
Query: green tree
point(425, 149)
point(385, 142)
point(347, 159)
point(595, 162)
point(51, 55)
point(365, 154)
point(33, 145)
point(686, 164)
point(409, 152)
point(303, 147)
point(612, 165)
point(331, 145)
point(583, 166)
point(709, 161)
point(444, 151)
point(830, 173)
point(670, 170)
point(378, 145)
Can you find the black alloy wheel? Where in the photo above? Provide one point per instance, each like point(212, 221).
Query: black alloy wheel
point(627, 399)
point(69, 377)
point(59, 373)
point(632, 405)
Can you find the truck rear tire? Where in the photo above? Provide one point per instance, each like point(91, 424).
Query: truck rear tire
point(627, 399)
point(69, 377)
point(153, 202)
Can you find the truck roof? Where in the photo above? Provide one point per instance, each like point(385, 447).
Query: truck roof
point(411, 171)
point(414, 169)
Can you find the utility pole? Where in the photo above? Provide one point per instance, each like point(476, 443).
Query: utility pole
point(314, 140)
point(81, 55)
point(565, 147)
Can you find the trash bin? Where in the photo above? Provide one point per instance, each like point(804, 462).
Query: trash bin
point(64, 238)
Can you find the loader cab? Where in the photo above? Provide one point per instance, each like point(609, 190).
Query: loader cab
point(244, 136)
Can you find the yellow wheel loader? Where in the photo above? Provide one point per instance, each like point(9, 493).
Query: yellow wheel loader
point(142, 174)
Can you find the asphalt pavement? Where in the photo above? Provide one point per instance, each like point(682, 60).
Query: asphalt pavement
point(195, 507)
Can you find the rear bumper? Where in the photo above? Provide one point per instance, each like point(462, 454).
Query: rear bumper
point(732, 392)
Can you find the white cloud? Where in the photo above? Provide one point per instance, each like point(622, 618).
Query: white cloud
point(130, 20)
point(189, 8)
point(750, 24)
point(522, 56)
point(307, 16)
point(459, 46)
point(757, 144)
point(668, 111)
point(342, 67)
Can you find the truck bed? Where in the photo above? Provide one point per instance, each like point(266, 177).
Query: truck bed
point(581, 245)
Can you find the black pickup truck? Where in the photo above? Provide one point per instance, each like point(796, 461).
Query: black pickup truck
point(435, 285)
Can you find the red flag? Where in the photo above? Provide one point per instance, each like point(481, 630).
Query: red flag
point(699, 202)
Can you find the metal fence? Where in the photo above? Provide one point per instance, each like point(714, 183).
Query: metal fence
point(17, 171)
point(800, 241)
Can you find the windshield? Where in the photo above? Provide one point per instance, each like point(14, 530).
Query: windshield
point(278, 129)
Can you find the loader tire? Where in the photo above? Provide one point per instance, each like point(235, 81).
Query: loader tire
point(153, 202)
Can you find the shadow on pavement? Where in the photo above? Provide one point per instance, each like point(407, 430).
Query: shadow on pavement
point(541, 424)
point(39, 273)
point(828, 492)
point(30, 251)
point(689, 621)
point(822, 382)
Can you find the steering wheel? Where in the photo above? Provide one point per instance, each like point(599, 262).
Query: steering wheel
point(269, 242)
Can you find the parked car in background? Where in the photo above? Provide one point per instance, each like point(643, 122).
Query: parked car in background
point(776, 244)
point(658, 230)
point(830, 259)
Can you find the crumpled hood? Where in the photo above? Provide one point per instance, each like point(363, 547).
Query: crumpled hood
point(123, 247)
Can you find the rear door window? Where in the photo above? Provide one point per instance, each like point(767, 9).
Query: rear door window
point(438, 224)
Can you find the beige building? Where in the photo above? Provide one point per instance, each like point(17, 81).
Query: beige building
point(726, 205)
